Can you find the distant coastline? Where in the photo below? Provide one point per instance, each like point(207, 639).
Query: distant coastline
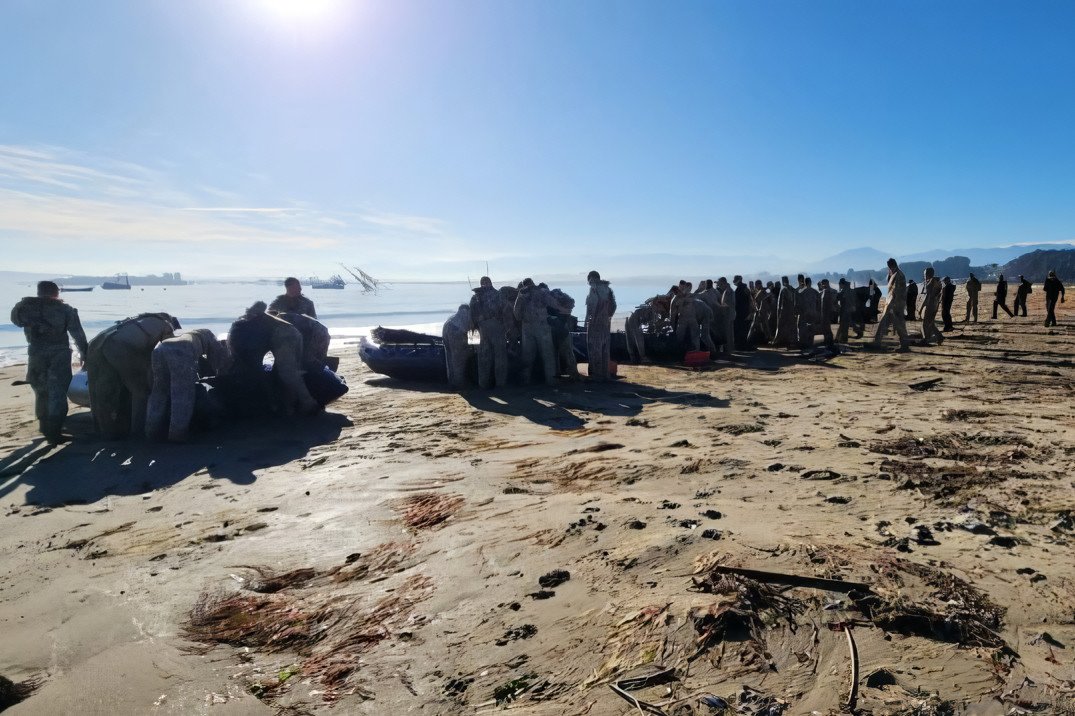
point(165, 279)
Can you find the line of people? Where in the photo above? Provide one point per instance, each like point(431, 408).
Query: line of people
point(722, 317)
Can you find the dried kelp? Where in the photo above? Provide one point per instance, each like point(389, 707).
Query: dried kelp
point(746, 608)
point(954, 611)
point(328, 631)
point(429, 509)
point(959, 447)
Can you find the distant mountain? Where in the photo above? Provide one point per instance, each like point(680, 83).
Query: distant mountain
point(870, 259)
point(1036, 265)
point(983, 257)
point(863, 257)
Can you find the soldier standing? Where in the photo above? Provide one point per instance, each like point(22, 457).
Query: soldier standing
point(930, 303)
point(895, 306)
point(1053, 289)
point(974, 286)
point(948, 294)
point(491, 313)
point(1000, 298)
point(532, 311)
point(47, 322)
point(600, 307)
point(912, 299)
point(1021, 292)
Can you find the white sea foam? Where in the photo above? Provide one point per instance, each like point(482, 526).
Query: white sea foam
point(343, 338)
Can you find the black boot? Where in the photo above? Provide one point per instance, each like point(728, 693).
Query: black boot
point(50, 428)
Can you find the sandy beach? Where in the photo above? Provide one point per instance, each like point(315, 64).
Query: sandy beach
point(415, 550)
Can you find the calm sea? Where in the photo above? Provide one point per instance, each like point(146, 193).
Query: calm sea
point(348, 313)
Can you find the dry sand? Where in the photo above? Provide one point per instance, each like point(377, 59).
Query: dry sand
point(108, 548)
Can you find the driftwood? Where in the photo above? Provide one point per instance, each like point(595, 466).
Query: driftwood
point(794, 580)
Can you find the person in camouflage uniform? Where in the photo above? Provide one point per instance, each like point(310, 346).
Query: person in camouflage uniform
point(685, 319)
point(828, 307)
point(786, 316)
point(175, 374)
point(636, 337)
point(808, 301)
point(47, 322)
point(315, 338)
point(974, 287)
point(292, 300)
point(931, 289)
point(563, 324)
point(895, 314)
point(600, 307)
point(490, 313)
point(257, 333)
point(848, 311)
point(532, 311)
point(457, 346)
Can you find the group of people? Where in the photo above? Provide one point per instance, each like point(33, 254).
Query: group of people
point(722, 317)
point(902, 296)
point(541, 320)
point(143, 377)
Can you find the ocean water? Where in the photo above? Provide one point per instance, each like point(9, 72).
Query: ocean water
point(348, 313)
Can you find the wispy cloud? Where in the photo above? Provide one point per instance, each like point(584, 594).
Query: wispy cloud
point(419, 224)
point(55, 201)
point(115, 223)
point(240, 209)
point(45, 167)
point(1068, 242)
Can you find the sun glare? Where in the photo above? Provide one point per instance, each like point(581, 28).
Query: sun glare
point(303, 11)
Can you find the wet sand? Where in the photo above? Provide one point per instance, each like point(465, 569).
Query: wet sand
point(424, 520)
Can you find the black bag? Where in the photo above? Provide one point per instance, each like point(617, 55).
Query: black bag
point(324, 385)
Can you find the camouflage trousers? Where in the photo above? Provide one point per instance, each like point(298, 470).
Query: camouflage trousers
point(597, 350)
point(48, 372)
point(492, 354)
point(171, 402)
point(537, 344)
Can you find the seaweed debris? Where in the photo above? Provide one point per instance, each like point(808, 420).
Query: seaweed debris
point(954, 611)
point(429, 509)
point(746, 607)
point(960, 447)
point(328, 630)
point(741, 428)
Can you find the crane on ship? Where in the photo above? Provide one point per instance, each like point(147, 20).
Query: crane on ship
point(369, 283)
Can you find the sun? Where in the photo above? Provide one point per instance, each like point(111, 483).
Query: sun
point(303, 11)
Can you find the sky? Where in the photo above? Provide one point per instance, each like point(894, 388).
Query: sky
point(422, 138)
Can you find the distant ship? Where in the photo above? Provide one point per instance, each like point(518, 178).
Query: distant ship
point(115, 285)
point(334, 282)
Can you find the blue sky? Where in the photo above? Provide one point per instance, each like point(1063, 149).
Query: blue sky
point(418, 138)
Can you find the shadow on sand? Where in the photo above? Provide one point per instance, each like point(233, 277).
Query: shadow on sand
point(88, 469)
point(560, 407)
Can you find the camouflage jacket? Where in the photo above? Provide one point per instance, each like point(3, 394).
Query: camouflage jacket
point(600, 304)
point(487, 304)
point(532, 305)
point(299, 304)
point(47, 322)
